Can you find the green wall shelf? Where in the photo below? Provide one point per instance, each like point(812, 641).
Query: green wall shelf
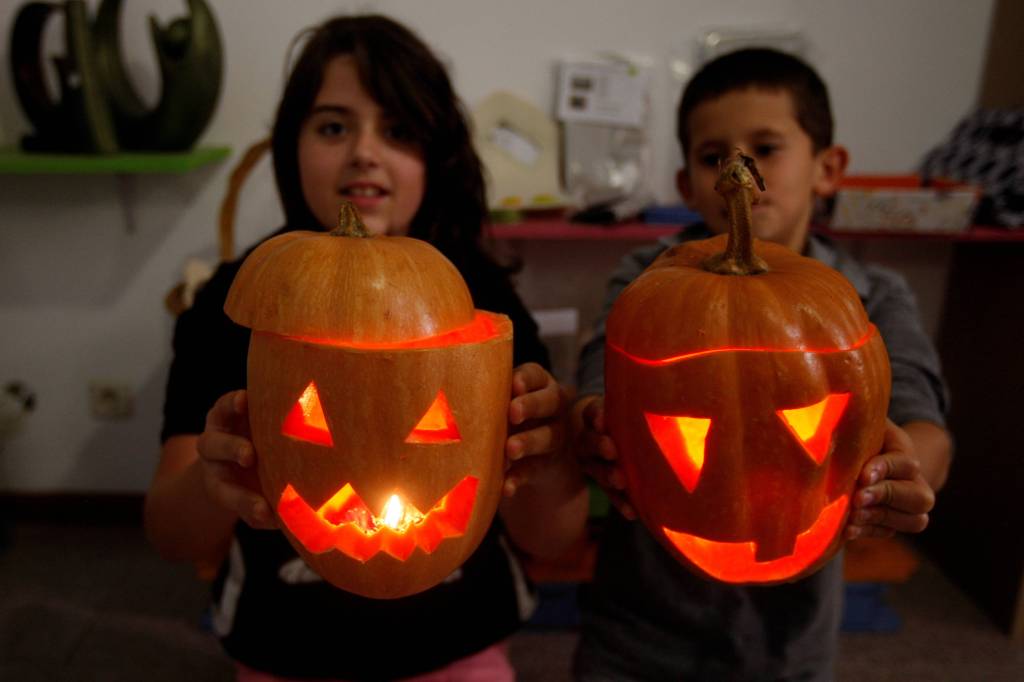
point(13, 161)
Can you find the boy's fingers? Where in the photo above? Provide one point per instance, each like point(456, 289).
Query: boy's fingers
point(913, 497)
point(593, 415)
point(890, 465)
point(854, 532)
point(890, 518)
point(896, 439)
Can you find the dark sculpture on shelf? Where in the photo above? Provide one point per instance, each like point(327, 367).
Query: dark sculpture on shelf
point(97, 109)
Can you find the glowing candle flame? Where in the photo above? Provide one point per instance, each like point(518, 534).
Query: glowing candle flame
point(394, 513)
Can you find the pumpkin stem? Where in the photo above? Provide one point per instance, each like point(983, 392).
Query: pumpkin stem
point(349, 222)
point(738, 183)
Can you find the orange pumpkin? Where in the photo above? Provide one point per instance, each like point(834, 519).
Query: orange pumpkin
point(377, 402)
point(745, 390)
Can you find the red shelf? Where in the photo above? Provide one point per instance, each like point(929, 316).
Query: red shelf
point(977, 233)
point(553, 229)
point(564, 230)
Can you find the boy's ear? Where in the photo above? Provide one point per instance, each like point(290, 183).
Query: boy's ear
point(683, 183)
point(831, 167)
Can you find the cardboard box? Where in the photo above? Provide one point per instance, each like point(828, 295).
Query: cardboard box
point(902, 203)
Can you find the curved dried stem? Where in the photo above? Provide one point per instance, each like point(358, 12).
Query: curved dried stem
point(740, 184)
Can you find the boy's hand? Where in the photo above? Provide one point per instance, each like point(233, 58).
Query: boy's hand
point(892, 495)
point(536, 417)
point(228, 459)
point(597, 453)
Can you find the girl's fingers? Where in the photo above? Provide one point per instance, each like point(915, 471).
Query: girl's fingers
point(223, 488)
point(546, 438)
point(228, 411)
point(541, 398)
point(225, 447)
point(528, 377)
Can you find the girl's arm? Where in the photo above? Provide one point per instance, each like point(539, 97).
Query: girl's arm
point(546, 504)
point(203, 485)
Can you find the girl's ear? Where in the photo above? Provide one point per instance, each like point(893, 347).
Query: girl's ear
point(683, 183)
point(831, 167)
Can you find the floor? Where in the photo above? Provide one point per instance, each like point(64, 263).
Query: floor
point(94, 603)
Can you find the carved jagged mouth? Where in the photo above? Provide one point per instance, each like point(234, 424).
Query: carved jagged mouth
point(735, 562)
point(346, 524)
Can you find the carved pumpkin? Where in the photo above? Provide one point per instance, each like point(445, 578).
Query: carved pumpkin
point(377, 402)
point(745, 390)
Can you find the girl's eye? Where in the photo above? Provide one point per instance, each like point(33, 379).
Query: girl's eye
point(398, 133)
point(765, 150)
point(330, 128)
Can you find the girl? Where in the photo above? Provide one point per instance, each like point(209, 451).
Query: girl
point(368, 115)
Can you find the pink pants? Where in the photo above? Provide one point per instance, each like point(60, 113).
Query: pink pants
point(489, 665)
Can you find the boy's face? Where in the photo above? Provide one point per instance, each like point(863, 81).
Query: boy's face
point(763, 124)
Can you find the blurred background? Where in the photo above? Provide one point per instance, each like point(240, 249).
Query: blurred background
point(87, 258)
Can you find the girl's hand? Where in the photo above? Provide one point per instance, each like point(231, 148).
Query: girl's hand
point(597, 454)
point(536, 417)
point(228, 459)
point(892, 495)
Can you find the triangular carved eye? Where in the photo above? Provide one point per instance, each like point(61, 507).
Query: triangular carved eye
point(437, 425)
point(813, 425)
point(306, 419)
point(681, 440)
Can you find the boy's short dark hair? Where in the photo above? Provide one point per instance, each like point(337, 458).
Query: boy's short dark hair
point(766, 69)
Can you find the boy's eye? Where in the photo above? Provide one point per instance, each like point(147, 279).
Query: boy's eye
point(709, 159)
point(765, 150)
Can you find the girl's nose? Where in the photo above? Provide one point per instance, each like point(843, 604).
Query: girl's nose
point(366, 148)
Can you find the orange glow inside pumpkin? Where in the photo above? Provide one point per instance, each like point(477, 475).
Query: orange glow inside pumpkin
point(437, 426)
point(345, 523)
point(736, 562)
point(660, 362)
point(813, 425)
point(681, 440)
point(482, 328)
point(306, 420)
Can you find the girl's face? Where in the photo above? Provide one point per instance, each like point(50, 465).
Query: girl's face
point(351, 149)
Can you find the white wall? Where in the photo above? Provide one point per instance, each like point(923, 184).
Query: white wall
point(81, 295)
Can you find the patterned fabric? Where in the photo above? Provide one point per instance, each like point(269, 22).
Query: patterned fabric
point(986, 149)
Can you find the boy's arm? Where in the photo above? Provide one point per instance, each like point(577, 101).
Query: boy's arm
point(934, 450)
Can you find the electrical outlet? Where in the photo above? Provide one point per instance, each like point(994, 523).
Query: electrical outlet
point(111, 399)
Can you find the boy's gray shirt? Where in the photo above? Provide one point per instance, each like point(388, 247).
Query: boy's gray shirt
point(645, 617)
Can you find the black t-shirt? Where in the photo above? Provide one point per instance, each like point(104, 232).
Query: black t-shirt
point(270, 611)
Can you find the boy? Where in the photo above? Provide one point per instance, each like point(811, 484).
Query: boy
point(646, 617)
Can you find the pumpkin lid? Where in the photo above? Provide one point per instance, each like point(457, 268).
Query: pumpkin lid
point(358, 289)
point(798, 304)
